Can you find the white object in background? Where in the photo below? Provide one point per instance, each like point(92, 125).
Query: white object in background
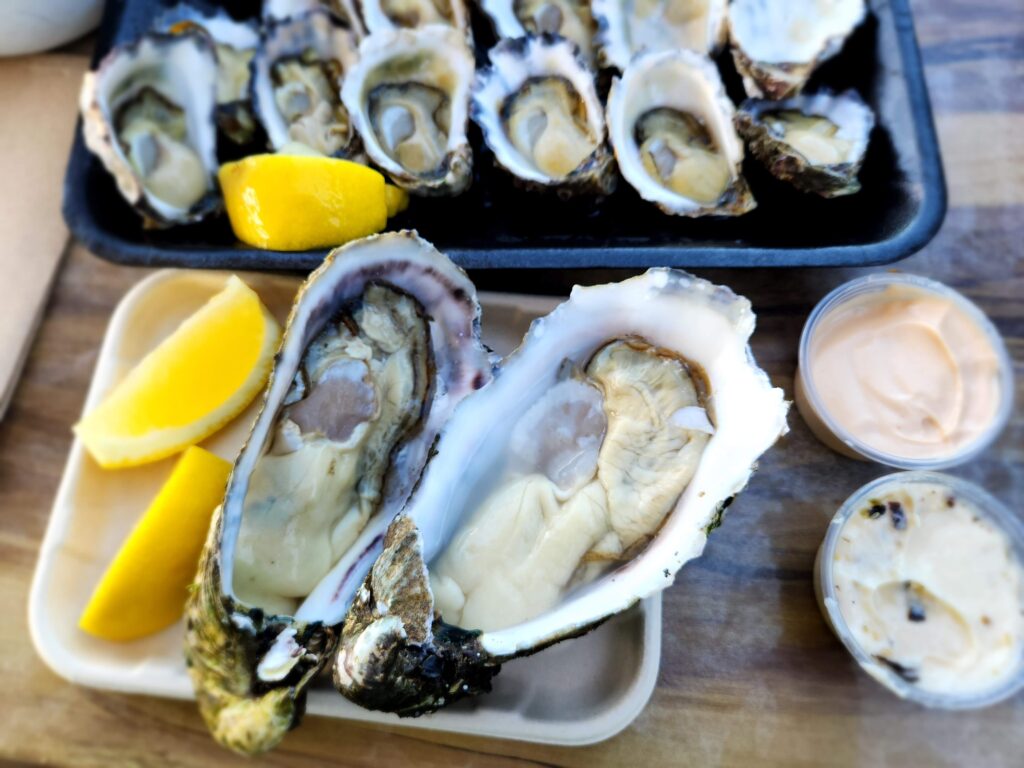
point(575, 693)
point(30, 26)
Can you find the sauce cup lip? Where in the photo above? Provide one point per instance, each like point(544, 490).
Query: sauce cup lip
point(988, 506)
point(876, 282)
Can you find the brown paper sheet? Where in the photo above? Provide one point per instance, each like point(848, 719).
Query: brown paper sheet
point(39, 95)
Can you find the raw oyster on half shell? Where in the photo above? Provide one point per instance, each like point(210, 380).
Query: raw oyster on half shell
point(777, 44)
point(671, 125)
point(148, 114)
point(235, 43)
point(382, 15)
point(382, 342)
point(570, 19)
point(573, 485)
point(816, 143)
point(297, 76)
point(538, 108)
point(628, 27)
point(409, 99)
point(343, 10)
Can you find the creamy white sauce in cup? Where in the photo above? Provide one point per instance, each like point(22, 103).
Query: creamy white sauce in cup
point(921, 577)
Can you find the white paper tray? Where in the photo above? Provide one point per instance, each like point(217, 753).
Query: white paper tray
point(575, 693)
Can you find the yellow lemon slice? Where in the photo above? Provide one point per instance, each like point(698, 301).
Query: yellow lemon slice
point(199, 378)
point(288, 202)
point(145, 586)
point(396, 199)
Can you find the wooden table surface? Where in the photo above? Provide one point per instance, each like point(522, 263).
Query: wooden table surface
point(749, 672)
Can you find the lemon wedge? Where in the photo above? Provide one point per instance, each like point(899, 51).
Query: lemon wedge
point(295, 202)
point(199, 378)
point(145, 586)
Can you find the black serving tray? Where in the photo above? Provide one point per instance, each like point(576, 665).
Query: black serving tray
point(494, 225)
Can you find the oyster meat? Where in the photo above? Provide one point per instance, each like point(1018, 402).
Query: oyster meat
point(148, 114)
point(570, 19)
point(343, 10)
point(777, 44)
point(671, 126)
point(628, 27)
point(817, 143)
point(297, 76)
point(540, 114)
point(409, 99)
point(573, 485)
point(380, 15)
point(235, 43)
point(382, 342)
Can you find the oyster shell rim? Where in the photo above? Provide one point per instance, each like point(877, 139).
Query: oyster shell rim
point(597, 173)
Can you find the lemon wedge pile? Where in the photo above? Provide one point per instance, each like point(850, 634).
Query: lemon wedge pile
point(191, 385)
point(295, 202)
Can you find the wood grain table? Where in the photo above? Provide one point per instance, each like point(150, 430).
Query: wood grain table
point(750, 674)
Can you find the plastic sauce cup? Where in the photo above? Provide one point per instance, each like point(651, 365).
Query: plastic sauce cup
point(824, 586)
point(841, 440)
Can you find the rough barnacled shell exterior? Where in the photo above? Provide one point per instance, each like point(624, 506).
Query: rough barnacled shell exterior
point(847, 111)
point(777, 44)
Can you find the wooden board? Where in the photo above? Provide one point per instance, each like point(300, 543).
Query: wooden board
point(39, 97)
point(750, 673)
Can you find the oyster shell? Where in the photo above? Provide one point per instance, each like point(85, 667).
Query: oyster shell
point(382, 15)
point(148, 114)
point(671, 126)
point(628, 27)
point(409, 99)
point(382, 342)
point(540, 114)
point(816, 143)
point(296, 80)
point(343, 10)
point(573, 485)
point(570, 19)
point(777, 44)
point(235, 43)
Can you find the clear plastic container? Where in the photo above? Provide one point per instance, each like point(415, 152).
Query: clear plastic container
point(826, 429)
point(824, 586)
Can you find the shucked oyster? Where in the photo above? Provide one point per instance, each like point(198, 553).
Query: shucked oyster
point(539, 111)
point(148, 114)
point(777, 44)
point(671, 125)
point(409, 98)
point(381, 344)
point(235, 43)
point(343, 10)
point(570, 19)
point(297, 76)
point(576, 483)
point(381, 15)
point(817, 143)
point(627, 27)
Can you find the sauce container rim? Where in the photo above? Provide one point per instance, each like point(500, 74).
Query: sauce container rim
point(877, 282)
point(988, 506)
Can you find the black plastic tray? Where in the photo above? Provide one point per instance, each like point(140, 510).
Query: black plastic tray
point(494, 225)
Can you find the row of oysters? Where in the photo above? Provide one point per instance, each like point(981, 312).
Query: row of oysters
point(393, 83)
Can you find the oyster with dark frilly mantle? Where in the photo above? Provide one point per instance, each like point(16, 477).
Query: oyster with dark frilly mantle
point(382, 342)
